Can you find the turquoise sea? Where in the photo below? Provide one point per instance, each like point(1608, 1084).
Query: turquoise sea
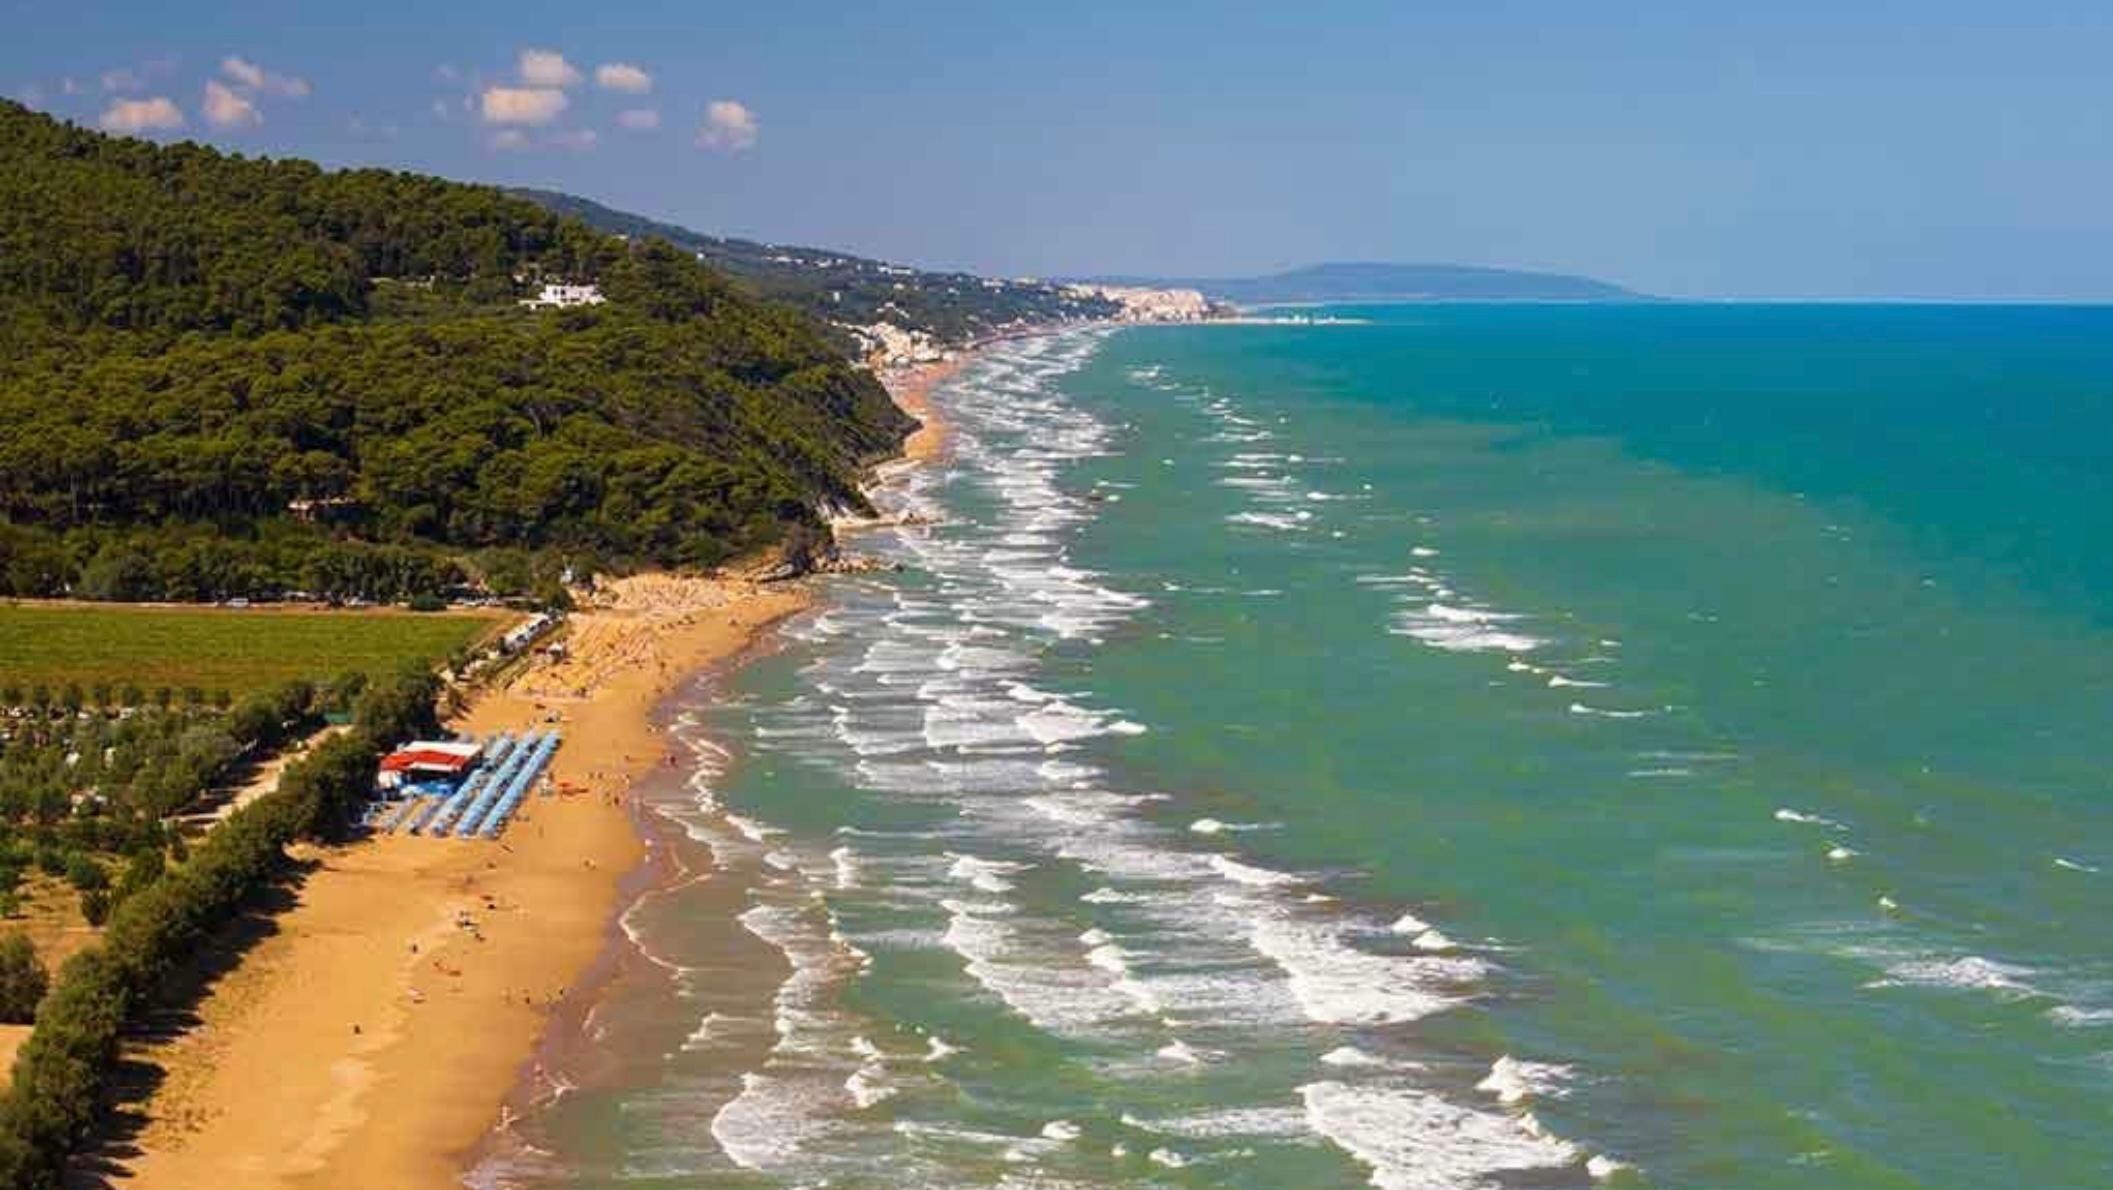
point(1539, 746)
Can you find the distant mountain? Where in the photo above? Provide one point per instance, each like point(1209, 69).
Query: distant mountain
point(851, 290)
point(1348, 282)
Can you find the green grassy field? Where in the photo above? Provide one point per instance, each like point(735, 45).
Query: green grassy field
point(216, 648)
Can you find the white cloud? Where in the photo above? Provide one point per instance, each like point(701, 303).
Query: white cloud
point(639, 119)
point(225, 109)
point(521, 105)
point(507, 139)
point(252, 78)
point(247, 74)
point(69, 87)
point(122, 79)
point(578, 138)
point(547, 68)
point(31, 95)
point(142, 115)
point(622, 76)
point(728, 126)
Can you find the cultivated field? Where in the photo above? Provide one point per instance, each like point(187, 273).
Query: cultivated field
point(214, 649)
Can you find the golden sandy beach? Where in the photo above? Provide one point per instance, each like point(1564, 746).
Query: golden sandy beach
point(373, 1038)
point(912, 389)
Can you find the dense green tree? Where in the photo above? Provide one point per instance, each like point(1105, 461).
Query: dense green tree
point(223, 376)
point(23, 979)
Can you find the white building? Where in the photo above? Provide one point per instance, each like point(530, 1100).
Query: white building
point(891, 346)
point(1140, 304)
point(557, 295)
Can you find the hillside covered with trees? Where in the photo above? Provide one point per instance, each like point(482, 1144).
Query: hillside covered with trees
point(225, 376)
point(853, 290)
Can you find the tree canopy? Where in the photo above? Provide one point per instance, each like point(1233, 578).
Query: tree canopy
point(229, 376)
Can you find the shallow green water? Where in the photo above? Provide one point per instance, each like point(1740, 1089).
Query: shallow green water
point(1490, 745)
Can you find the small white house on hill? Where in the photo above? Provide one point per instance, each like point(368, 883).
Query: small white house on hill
point(559, 296)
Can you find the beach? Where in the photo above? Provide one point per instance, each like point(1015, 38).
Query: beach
point(378, 1032)
point(912, 389)
point(371, 1037)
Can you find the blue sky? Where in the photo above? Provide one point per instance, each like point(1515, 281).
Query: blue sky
point(1930, 149)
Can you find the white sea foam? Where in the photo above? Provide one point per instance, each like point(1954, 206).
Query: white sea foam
point(753, 831)
point(1286, 1123)
point(945, 722)
point(1514, 1081)
point(1800, 816)
point(769, 1125)
point(868, 1085)
point(709, 1031)
point(1180, 1051)
point(1966, 971)
point(1111, 896)
point(1282, 522)
point(984, 875)
point(1578, 708)
point(1033, 983)
point(1413, 1140)
point(1217, 826)
point(847, 868)
point(1432, 940)
point(1249, 874)
point(1336, 983)
point(1462, 629)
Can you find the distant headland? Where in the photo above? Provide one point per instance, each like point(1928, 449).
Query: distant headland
point(1380, 282)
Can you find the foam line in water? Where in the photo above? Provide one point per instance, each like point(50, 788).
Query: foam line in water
point(1335, 983)
point(1413, 1140)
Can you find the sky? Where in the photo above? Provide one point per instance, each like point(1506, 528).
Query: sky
point(1779, 149)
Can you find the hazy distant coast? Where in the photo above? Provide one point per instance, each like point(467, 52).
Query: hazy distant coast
point(1384, 282)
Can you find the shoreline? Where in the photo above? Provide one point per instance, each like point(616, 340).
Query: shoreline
point(376, 1034)
point(569, 1054)
point(573, 1052)
point(406, 1007)
point(911, 389)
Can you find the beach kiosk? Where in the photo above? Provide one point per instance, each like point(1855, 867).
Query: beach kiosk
point(427, 762)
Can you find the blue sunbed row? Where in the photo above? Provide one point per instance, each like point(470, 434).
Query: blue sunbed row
point(393, 815)
point(496, 754)
point(495, 820)
point(510, 793)
point(522, 755)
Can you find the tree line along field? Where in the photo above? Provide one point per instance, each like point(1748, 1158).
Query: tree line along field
point(213, 650)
